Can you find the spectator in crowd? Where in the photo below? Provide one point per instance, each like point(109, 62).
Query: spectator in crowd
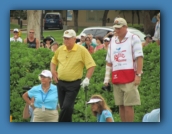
point(16, 37)
point(153, 116)
point(93, 41)
point(148, 40)
point(31, 40)
point(48, 41)
point(82, 39)
point(71, 59)
point(54, 46)
point(88, 45)
point(45, 99)
point(125, 65)
point(100, 44)
point(100, 109)
point(106, 43)
point(156, 36)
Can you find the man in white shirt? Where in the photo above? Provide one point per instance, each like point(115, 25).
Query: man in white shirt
point(124, 61)
point(16, 36)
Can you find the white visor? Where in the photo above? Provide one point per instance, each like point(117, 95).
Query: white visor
point(93, 101)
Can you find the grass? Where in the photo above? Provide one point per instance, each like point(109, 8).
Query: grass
point(57, 34)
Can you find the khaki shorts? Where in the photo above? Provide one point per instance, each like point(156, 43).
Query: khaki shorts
point(126, 94)
point(45, 116)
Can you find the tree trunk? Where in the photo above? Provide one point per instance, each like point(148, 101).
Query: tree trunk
point(105, 17)
point(75, 12)
point(34, 22)
point(138, 16)
point(132, 17)
point(149, 27)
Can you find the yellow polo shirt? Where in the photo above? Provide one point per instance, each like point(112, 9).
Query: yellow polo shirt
point(71, 63)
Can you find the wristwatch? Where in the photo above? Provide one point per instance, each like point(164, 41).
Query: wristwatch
point(139, 75)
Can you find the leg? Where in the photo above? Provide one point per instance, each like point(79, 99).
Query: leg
point(122, 113)
point(61, 93)
point(129, 114)
point(71, 91)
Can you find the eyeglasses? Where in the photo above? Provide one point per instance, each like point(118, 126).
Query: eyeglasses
point(31, 32)
point(15, 32)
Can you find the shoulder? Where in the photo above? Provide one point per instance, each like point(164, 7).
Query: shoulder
point(53, 86)
point(106, 112)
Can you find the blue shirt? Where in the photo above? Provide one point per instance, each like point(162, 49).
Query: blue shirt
point(49, 99)
point(104, 115)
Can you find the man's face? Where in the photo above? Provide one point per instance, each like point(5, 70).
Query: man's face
point(16, 34)
point(121, 31)
point(69, 42)
point(31, 33)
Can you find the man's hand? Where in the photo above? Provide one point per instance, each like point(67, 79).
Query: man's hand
point(137, 80)
point(85, 82)
point(55, 76)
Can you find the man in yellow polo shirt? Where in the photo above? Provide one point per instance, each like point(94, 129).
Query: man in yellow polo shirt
point(71, 59)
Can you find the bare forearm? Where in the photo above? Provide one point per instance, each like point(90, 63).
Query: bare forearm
point(139, 65)
point(26, 113)
point(90, 72)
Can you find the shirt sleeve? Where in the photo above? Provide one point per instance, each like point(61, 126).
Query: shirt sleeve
point(137, 47)
point(31, 92)
point(88, 60)
point(107, 114)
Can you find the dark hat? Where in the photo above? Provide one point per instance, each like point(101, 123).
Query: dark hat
point(148, 35)
point(49, 38)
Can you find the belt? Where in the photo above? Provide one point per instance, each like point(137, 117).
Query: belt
point(69, 81)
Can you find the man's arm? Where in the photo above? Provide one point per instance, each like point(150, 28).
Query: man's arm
point(139, 70)
point(90, 72)
point(37, 44)
point(54, 72)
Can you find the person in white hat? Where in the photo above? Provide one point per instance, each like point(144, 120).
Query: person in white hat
point(70, 60)
point(106, 43)
point(124, 61)
point(100, 109)
point(82, 39)
point(45, 99)
point(16, 37)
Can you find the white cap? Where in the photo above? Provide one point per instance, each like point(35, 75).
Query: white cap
point(153, 116)
point(93, 101)
point(46, 73)
point(69, 33)
point(15, 30)
point(83, 34)
point(119, 22)
point(106, 39)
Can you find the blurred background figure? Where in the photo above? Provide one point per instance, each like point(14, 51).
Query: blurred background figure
point(82, 39)
point(100, 45)
point(93, 41)
point(156, 36)
point(16, 36)
point(31, 40)
point(106, 43)
point(48, 41)
point(148, 39)
point(100, 109)
point(153, 116)
point(54, 46)
point(88, 45)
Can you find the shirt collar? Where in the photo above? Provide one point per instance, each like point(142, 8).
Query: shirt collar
point(73, 49)
point(126, 36)
point(41, 87)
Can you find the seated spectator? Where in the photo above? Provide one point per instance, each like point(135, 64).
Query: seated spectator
point(31, 40)
point(88, 46)
point(100, 44)
point(54, 46)
point(100, 109)
point(16, 37)
point(153, 116)
point(148, 39)
point(82, 39)
point(106, 43)
point(48, 41)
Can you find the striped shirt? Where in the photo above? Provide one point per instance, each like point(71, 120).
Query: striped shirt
point(71, 63)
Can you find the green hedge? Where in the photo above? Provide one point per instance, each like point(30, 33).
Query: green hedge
point(26, 63)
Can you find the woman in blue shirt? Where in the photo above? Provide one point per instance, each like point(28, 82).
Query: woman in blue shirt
point(100, 109)
point(45, 99)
